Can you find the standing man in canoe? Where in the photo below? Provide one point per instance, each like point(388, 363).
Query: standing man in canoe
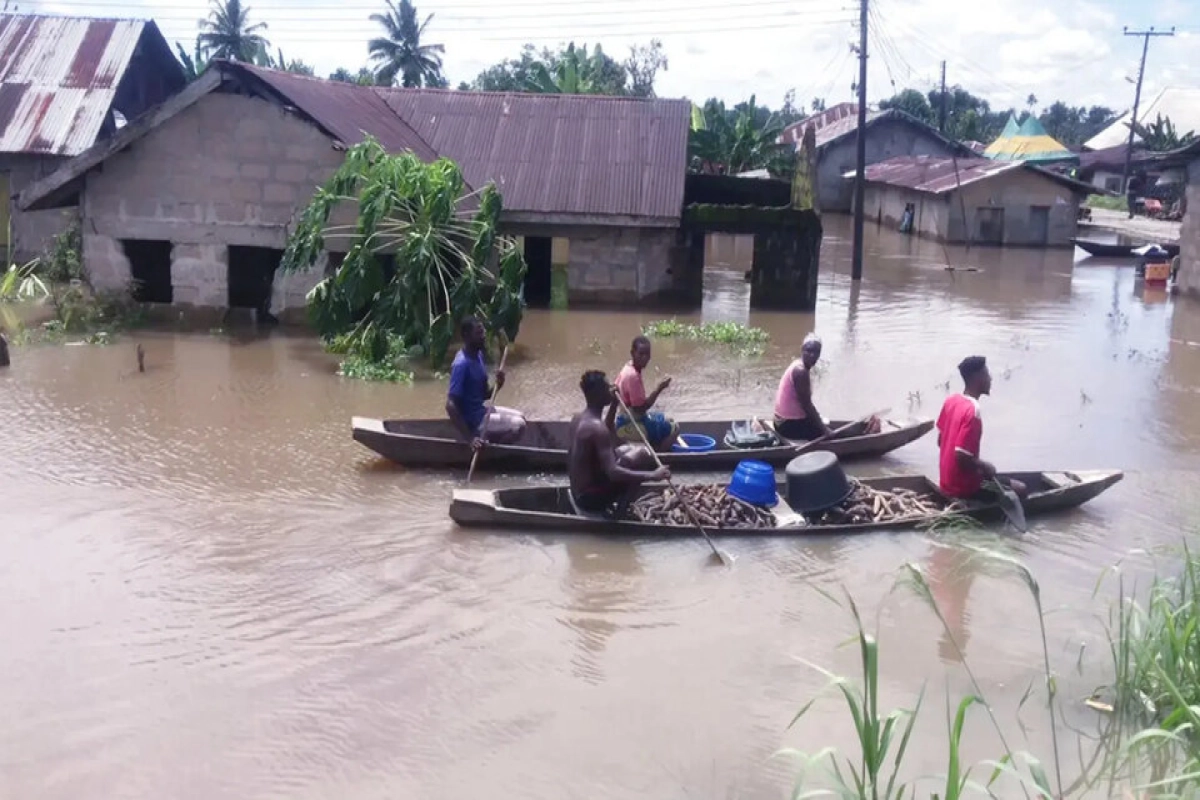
point(795, 415)
point(469, 390)
point(601, 474)
point(960, 434)
point(660, 431)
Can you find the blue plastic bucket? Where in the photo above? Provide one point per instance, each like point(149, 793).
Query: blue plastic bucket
point(754, 482)
point(696, 443)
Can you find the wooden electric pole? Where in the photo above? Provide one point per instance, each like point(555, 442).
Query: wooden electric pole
point(856, 258)
point(942, 111)
point(1137, 99)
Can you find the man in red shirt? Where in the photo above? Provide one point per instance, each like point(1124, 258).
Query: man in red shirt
point(960, 432)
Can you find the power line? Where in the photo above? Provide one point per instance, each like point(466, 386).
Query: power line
point(543, 8)
point(1137, 99)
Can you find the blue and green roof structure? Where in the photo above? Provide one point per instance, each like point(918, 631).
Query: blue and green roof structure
point(1029, 142)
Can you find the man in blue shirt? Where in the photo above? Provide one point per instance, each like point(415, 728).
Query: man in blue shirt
point(469, 390)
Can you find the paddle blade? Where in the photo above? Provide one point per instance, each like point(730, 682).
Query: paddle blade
point(1010, 504)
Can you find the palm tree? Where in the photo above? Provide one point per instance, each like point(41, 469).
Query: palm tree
point(227, 33)
point(400, 52)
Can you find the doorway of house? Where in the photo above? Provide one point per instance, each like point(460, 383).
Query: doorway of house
point(539, 279)
point(251, 278)
point(150, 268)
point(1039, 225)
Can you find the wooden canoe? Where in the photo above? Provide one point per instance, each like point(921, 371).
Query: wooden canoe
point(1114, 250)
point(549, 508)
point(543, 447)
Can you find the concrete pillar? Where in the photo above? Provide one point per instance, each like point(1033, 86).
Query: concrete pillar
point(785, 268)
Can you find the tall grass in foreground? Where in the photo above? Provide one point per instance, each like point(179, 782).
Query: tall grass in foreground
point(1156, 652)
point(1155, 695)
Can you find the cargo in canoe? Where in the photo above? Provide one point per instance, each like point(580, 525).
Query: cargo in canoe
point(549, 508)
point(543, 446)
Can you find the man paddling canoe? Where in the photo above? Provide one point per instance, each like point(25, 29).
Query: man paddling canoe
point(601, 475)
point(469, 390)
point(960, 434)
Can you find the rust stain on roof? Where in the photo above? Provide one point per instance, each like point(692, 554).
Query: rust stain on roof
point(58, 79)
point(939, 174)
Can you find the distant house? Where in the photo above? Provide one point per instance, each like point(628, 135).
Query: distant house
point(1179, 104)
point(977, 200)
point(1185, 163)
point(890, 134)
point(195, 201)
point(66, 83)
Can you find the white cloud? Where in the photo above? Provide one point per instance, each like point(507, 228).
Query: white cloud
point(1003, 50)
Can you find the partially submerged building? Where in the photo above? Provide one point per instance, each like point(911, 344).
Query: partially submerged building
point(195, 200)
point(889, 134)
point(975, 200)
point(65, 84)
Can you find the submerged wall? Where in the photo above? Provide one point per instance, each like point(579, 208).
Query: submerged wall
point(33, 232)
point(229, 170)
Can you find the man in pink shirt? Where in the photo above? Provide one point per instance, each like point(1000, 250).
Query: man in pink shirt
point(660, 431)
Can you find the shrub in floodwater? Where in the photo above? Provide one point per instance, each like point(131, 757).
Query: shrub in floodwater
point(355, 366)
point(21, 283)
point(63, 262)
point(448, 260)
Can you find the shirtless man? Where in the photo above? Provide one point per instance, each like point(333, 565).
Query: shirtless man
point(601, 474)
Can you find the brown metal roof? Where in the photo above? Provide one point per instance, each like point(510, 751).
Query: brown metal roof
point(59, 77)
point(939, 174)
point(559, 154)
point(346, 111)
point(794, 133)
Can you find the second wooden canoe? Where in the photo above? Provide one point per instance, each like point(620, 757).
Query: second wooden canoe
point(543, 447)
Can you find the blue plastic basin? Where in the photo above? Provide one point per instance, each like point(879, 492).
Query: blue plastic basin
point(754, 482)
point(696, 443)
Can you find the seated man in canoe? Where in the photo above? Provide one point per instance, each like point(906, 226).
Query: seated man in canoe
point(602, 474)
point(796, 417)
point(960, 434)
point(660, 431)
point(469, 390)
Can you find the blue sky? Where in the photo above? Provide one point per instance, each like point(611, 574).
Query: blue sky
point(1002, 49)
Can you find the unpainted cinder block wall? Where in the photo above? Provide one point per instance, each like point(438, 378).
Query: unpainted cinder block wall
point(33, 232)
point(229, 170)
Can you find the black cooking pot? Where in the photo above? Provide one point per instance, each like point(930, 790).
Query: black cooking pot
point(815, 482)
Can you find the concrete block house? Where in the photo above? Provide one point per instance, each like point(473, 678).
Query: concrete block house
point(1006, 203)
point(195, 200)
point(889, 133)
point(67, 83)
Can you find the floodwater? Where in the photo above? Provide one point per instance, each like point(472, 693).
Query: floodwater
point(208, 589)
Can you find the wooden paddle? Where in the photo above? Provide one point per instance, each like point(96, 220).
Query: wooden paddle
point(486, 414)
point(720, 556)
point(838, 432)
point(1010, 504)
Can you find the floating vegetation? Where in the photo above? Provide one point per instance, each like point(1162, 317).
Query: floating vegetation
point(748, 340)
point(365, 369)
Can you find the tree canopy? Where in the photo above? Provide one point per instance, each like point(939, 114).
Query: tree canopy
point(228, 33)
point(574, 69)
point(729, 141)
point(401, 52)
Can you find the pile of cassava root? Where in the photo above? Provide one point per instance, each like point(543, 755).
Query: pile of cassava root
point(868, 505)
point(711, 503)
point(715, 508)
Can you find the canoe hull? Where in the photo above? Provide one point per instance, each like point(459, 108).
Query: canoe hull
point(434, 444)
point(548, 508)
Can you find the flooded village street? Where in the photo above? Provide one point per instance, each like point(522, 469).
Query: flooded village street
point(208, 589)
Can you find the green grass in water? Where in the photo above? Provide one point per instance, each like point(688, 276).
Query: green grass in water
point(733, 334)
point(364, 369)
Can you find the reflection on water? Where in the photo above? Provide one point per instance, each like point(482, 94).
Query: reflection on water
point(210, 590)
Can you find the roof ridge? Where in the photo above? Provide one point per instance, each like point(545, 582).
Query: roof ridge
point(76, 17)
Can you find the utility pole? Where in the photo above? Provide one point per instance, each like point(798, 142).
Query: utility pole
point(856, 258)
point(1137, 98)
point(942, 112)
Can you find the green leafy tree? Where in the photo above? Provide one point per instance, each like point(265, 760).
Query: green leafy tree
point(643, 66)
point(418, 259)
point(604, 75)
point(1160, 135)
point(576, 72)
point(364, 76)
point(400, 53)
point(194, 64)
point(913, 103)
point(228, 33)
point(729, 142)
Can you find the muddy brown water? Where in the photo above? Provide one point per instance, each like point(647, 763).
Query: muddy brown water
point(209, 590)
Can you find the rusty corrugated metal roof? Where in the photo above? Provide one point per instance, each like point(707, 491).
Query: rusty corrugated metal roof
point(934, 174)
point(794, 133)
point(560, 154)
point(58, 79)
point(347, 111)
